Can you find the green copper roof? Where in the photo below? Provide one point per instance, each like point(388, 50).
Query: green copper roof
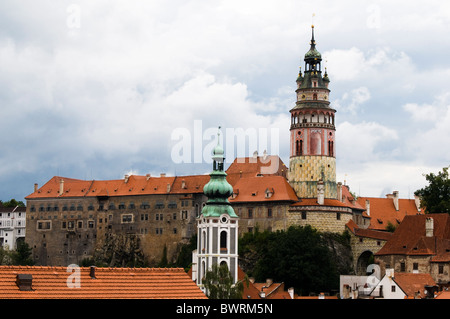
point(218, 189)
point(313, 53)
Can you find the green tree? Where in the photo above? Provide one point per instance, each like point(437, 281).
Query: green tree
point(435, 197)
point(219, 283)
point(22, 255)
point(300, 258)
point(12, 203)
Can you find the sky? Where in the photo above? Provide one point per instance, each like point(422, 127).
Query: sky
point(100, 89)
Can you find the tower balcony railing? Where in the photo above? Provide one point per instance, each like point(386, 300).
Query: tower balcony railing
point(313, 124)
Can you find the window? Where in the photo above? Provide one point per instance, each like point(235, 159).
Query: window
point(415, 266)
point(159, 205)
point(223, 241)
point(144, 216)
point(250, 213)
point(338, 216)
point(44, 225)
point(441, 269)
point(90, 224)
point(159, 216)
point(402, 267)
point(71, 225)
point(131, 206)
point(172, 204)
point(127, 218)
point(80, 224)
point(269, 212)
point(122, 205)
point(112, 206)
point(145, 205)
point(303, 215)
point(392, 288)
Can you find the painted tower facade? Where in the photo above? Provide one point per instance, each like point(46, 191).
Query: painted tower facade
point(312, 160)
point(217, 225)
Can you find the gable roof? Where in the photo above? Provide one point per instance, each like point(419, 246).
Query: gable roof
point(367, 233)
point(410, 238)
point(264, 188)
point(382, 211)
point(411, 283)
point(254, 166)
point(109, 283)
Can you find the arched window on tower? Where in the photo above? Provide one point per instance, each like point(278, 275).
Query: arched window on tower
point(330, 148)
point(315, 96)
point(223, 242)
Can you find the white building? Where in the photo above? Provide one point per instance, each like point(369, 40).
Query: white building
point(404, 285)
point(12, 226)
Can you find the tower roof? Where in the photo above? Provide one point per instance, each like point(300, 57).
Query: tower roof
point(313, 53)
point(218, 189)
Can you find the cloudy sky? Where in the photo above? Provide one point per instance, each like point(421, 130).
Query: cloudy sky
point(99, 89)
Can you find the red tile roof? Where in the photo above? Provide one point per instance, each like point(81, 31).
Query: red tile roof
point(109, 283)
point(413, 283)
point(382, 211)
point(268, 188)
point(253, 166)
point(410, 238)
point(271, 290)
point(132, 185)
point(367, 233)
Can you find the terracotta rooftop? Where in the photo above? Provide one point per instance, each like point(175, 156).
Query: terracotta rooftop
point(410, 238)
point(367, 233)
point(382, 211)
point(254, 166)
point(263, 189)
point(413, 283)
point(109, 283)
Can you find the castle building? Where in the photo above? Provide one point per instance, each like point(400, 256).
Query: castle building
point(217, 237)
point(312, 164)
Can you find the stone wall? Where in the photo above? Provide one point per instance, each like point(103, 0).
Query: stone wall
point(323, 218)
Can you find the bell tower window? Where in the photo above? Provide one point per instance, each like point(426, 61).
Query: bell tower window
point(223, 241)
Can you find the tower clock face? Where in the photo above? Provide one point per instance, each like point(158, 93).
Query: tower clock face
point(303, 96)
point(325, 97)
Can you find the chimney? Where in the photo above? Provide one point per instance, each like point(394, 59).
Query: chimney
point(92, 272)
point(148, 176)
point(126, 178)
point(183, 184)
point(339, 191)
point(320, 193)
point(429, 227)
point(368, 207)
point(35, 187)
point(394, 197)
point(61, 186)
point(168, 188)
point(417, 201)
point(163, 174)
point(269, 282)
point(291, 292)
point(396, 200)
point(24, 282)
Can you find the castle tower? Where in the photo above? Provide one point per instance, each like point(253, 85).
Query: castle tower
point(217, 225)
point(312, 148)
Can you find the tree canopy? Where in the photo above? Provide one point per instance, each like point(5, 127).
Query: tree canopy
point(300, 257)
point(219, 283)
point(435, 197)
